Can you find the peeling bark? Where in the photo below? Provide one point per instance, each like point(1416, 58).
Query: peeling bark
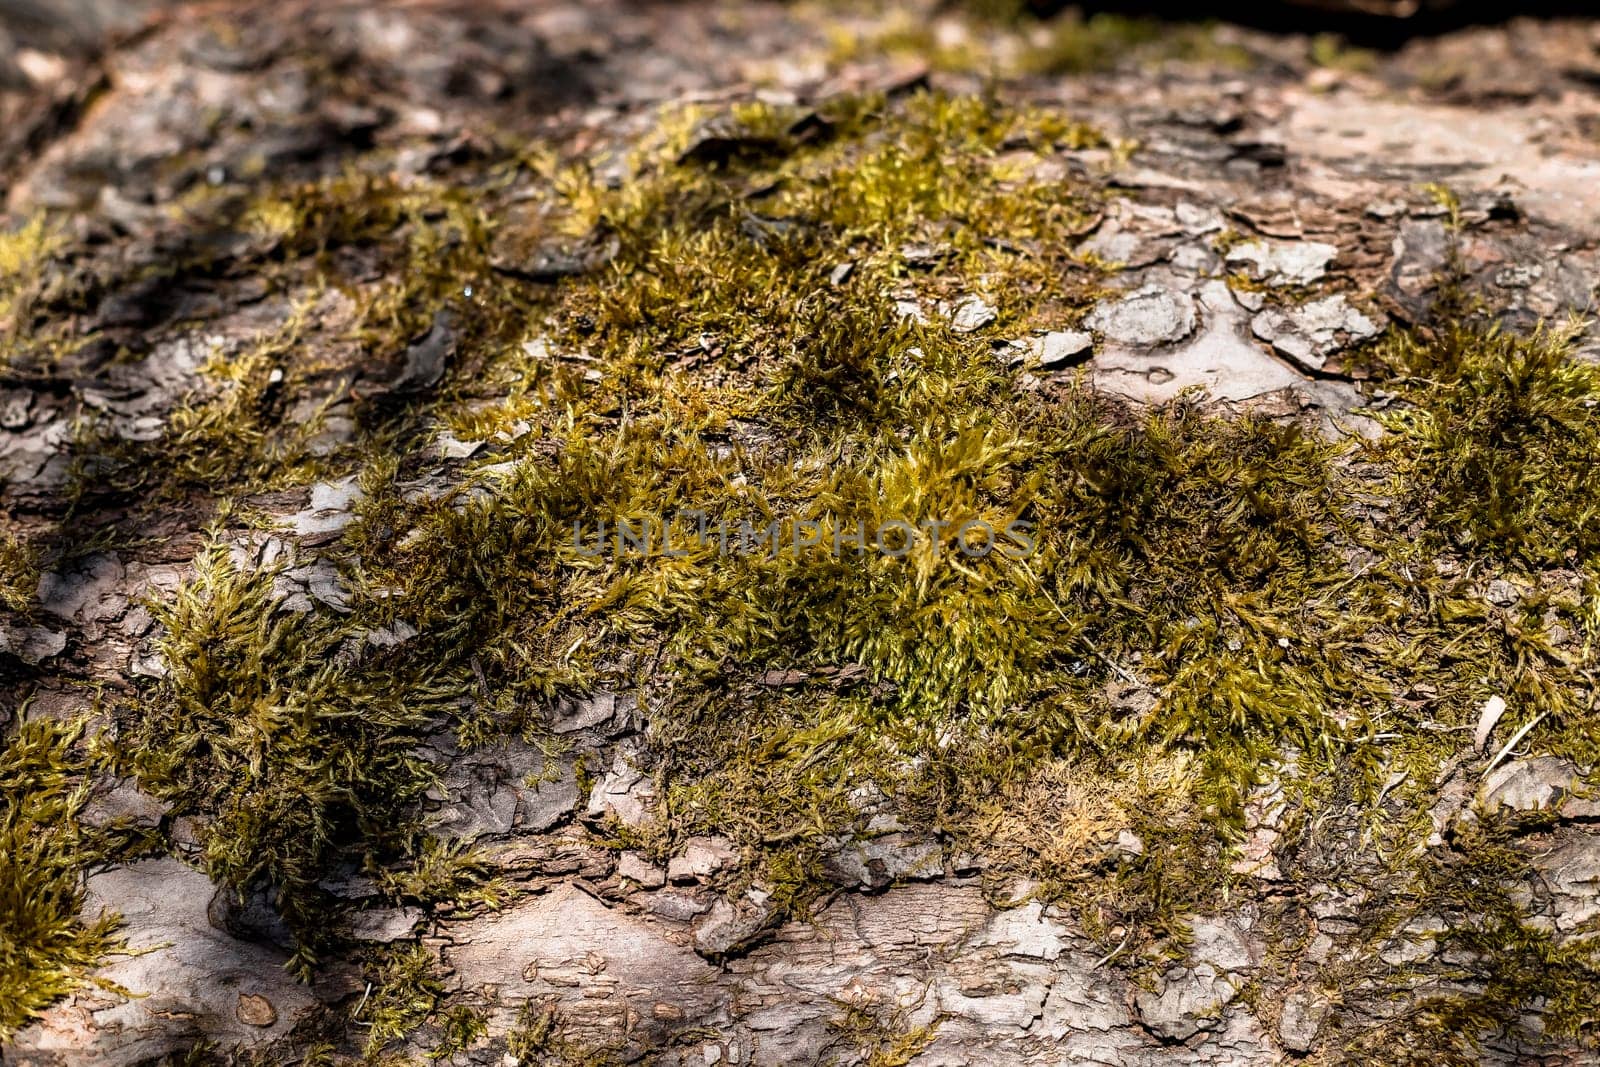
point(1323, 172)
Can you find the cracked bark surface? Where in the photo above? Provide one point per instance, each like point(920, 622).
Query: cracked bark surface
point(1320, 171)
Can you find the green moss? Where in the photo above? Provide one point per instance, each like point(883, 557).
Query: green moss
point(1497, 445)
point(1196, 603)
point(1241, 281)
point(538, 1041)
point(880, 1041)
point(1447, 198)
point(1162, 533)
point(19, 572)
point(1504, 966)
point(461, 1025)
point(1074, 44)
point(24, 249)
point(23, 252)
point(406, 991)
point(230, 435)
point(46, 946)
point(408, 1002)
point(353, 208)
point(445, 875)
point(901, 34)
point(699, 259)
point(1333, 52)
point(292, 743)
point(371, 263)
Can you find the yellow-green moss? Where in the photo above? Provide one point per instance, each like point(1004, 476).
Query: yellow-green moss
point(1497, 445)
point(881, 1040)
point(406, 991)
point(1503, 965)
point(537, 1040)
point(46, 946)
point(23, 253)
point(1333, 52)
point(446, 875)
point(1208, 601)
point(19, 572)
point(232, 434)
point(1074, 44)
point(408, 997)
point(1004, 40)
point(293, 740)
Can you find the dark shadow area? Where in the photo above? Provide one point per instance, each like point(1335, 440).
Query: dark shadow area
point(87, 25)
point(1368, 29)
point(70, 25)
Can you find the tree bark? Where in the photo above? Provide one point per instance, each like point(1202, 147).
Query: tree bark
point(1319, 172)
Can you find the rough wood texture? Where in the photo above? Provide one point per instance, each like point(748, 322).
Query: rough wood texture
point(1322, 170)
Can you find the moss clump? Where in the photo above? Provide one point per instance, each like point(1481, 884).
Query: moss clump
point(406, 991)
point(1202, 564)
point(23, 253)
point(427, 242)
point(538, 1041)
point(1074, 44)
point(880, 1041)
point(1479, 891)
point(1500, 440)
point(351, 209)
point(46, 948)
point(447, 875)
point(1162, 610)
point(229, 436)
point(367, 264)
point(699, 257)
point(295, 743)
point(1331, 51)
point(19, 572)
point(1152, 541)
point(409, 996)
